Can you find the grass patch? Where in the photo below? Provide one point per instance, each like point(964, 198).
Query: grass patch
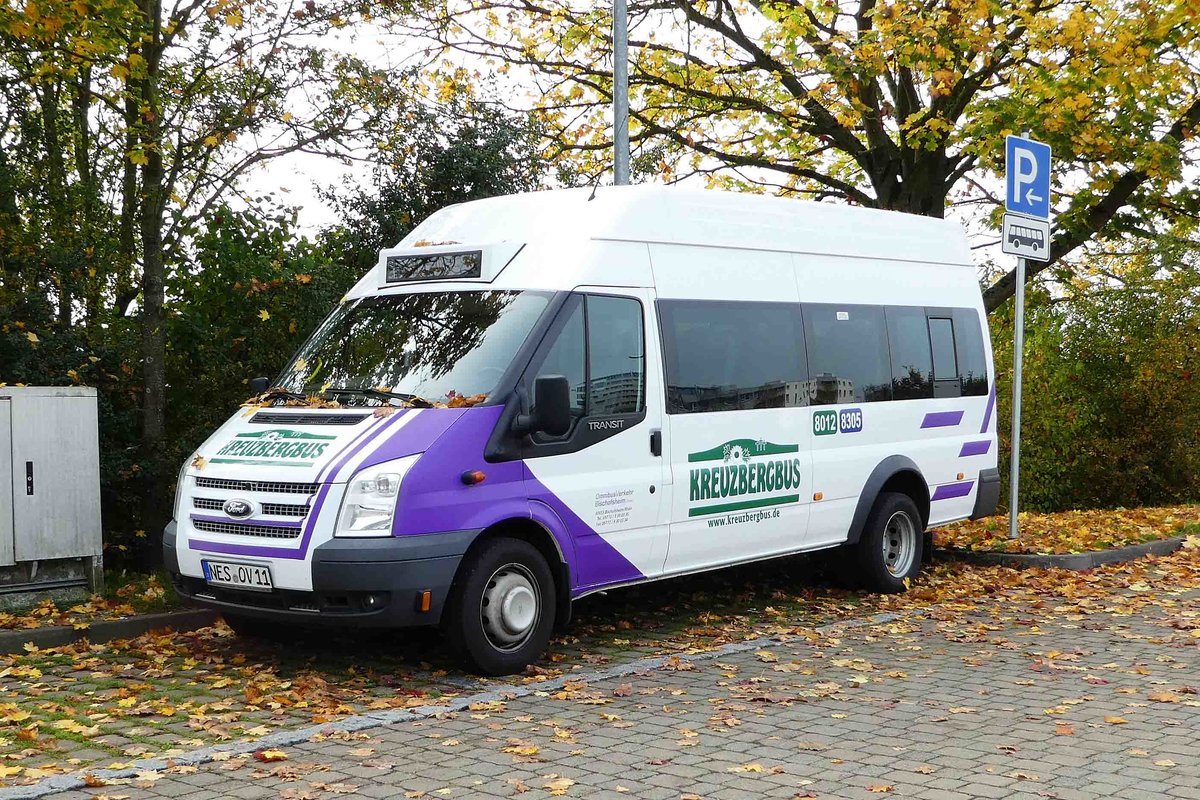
point(1073, 531)
point(126, 594)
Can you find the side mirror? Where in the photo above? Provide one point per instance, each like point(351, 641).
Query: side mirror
point(551, 407)
point(259, 385)
point(552, 404)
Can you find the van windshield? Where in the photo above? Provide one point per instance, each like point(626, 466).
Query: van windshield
point(437, 347)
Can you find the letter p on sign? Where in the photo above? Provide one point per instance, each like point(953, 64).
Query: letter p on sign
point(1027, 164)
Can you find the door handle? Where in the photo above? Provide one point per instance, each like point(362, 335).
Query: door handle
point(29, 477)
point(656, 443)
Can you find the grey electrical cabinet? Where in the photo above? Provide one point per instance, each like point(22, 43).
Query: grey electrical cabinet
point(49, 488)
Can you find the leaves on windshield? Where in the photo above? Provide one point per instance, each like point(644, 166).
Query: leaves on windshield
point(277, 395)
point(455, 400)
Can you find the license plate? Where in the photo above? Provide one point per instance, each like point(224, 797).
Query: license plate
point(241, 576)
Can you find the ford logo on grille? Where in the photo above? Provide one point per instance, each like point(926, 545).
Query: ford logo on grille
point(238, 509)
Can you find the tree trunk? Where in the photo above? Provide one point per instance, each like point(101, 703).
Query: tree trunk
point(154, 334)
point(126, 289)
point(56, 193)
point(92, 281)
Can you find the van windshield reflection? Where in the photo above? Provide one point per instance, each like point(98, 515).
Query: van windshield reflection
point(428, 348)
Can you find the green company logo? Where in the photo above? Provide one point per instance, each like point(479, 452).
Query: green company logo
point(744, 469)
point(825, 422)
point(279, 445)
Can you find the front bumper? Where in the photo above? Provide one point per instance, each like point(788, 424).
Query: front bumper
point(368, 583)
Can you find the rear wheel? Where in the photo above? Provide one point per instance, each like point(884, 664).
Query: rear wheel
point(889, 553)
point(501, 610)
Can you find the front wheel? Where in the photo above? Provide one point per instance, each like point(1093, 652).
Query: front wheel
point(888, 554)
point(501, 609)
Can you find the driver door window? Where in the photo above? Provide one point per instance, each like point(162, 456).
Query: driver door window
point(568, 357)
point(600, 350)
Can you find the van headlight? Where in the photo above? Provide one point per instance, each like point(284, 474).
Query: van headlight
point(370, 502)
point(179, 487)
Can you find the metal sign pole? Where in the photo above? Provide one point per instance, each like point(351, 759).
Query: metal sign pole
point(1026, 234)
point(620, 93)
point(1014, 477)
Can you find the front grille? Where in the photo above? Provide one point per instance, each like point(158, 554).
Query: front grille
point(274, 418)
point(278, 487)
point(270, 509)
point(249, 529)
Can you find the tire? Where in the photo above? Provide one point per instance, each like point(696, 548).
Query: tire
point(888, 554)
point(501, 608)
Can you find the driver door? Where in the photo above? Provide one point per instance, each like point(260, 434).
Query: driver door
point(604, 477)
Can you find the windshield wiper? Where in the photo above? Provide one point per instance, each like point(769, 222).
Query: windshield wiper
point(411, 399)
point(279, 393)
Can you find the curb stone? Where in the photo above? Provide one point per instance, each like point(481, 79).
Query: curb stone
point(358, 722)
point(1072, 561)
point(14, 641)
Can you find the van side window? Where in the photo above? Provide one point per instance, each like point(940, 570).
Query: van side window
point(725, 356)
point(941, 337)
point(912, 364)
point(847, 353)
point(972, 360)
point(568, 357)
point(945, 363)
point(616, 380)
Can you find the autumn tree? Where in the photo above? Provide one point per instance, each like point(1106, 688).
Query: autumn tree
point(462, 149)
point(896, 104)
point(129, 121)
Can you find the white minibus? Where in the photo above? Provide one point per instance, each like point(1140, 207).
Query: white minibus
point(536, 397)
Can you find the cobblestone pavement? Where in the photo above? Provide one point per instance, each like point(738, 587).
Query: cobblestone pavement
point(1028, 700)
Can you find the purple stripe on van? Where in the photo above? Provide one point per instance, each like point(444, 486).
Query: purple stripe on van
point(942, 419)
point(987, 412)
point(949, 490)
point(975, 448)
point(360, 436)
point(597, 562)
point(231, 521)
point(302, 550)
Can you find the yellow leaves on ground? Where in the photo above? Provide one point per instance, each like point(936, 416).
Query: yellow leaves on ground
point(748, 768)
point(264, 315)
point(270, 756)
point(1071, 531)
point(519, 748)
point(72, 726)
point(47, 614)
point(557, 786)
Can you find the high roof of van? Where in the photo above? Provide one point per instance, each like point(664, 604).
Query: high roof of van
point(697, 217)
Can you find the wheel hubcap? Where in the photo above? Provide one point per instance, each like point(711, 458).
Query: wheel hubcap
point(510, 607)
point(899, 543)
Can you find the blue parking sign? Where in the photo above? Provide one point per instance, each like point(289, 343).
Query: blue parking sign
point(1027, 166)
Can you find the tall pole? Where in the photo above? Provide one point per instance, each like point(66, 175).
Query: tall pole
point(1014, 476)
point(620, 93)
point(1014, 462)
